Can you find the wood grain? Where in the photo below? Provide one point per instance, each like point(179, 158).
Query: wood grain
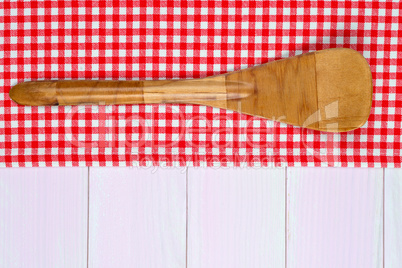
point(341, 83)
point(393, 218)
point(43, 217)
point(137, 217)
point(328, 90)
point(284, 90)
point(335, 217)
point(236, 217)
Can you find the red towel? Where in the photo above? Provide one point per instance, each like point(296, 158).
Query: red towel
point(189, 39)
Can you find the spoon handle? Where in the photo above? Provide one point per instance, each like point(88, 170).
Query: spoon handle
point(75, 92)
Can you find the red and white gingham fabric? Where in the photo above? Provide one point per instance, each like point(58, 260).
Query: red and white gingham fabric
point(189, 39)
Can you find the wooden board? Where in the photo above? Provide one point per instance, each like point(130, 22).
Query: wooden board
point(137, 217)
point(393, 218)
point(236, 217)
point(43, 217)
point(334, 217)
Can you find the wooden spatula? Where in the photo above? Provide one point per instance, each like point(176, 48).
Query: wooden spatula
point(327, 90)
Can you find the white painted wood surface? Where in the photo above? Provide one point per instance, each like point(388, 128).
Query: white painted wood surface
point(393, 218)
point(43, 217)
point(137, 217)
point(335, 217)
point(236, 217)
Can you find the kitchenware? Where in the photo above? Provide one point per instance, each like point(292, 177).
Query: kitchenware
point(327, 90)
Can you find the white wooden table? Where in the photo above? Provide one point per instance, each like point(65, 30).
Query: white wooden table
point(200, 217)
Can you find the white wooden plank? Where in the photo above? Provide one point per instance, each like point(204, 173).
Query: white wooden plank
point(393, 218)
point(236, 217)
point(335, 217)
point(137, 217)
point(43, 217)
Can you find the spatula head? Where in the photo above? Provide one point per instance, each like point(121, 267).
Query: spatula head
point(328, 90)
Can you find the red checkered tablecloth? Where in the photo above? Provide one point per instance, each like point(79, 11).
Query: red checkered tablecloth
point(189, 39)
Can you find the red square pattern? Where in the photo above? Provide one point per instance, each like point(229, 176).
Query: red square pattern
point(189, 39)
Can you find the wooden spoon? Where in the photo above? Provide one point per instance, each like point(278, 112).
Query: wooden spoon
point(327, 90)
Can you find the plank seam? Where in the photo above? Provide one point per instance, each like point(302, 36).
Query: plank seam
point(88, 220)
point(383, 218)
point(186, 217)
point(286, 217)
